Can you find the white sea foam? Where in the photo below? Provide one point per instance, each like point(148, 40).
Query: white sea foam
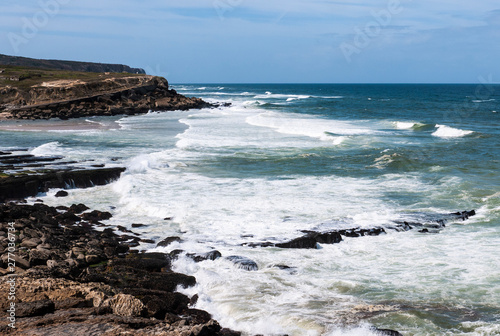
point(483, 100)
point(444, 131)
point(404, 124)
point(325, 130)
point(282, 96)
point(95, 122)
point(48, 149)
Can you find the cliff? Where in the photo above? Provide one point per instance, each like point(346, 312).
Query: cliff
point(67, 65)
point(30, 93)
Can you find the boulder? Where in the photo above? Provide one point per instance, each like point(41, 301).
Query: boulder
point(243, 263)
point(125, 305)
point(167, 241)
point(77, 208)
point(212, 255)
point(305, 242)
point(62, 193)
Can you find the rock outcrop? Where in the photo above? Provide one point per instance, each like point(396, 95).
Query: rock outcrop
point(68, 278)
point(16, 187)
point(106, 96)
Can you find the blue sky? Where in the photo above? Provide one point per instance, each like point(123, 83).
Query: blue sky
point(265, 41)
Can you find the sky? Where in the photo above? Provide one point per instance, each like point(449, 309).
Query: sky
point(266, 41)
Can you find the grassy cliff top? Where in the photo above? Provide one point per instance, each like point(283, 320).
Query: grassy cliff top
point(23, 78)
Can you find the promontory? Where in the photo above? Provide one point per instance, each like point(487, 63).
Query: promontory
point(44, 89)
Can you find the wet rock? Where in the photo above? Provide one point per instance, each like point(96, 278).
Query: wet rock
point(169, 240)
point(465, 214)
point(151, 262)
point(77, 208)
point(306, 242)
point(244, 263)
point(96, 216)
point(333, 237)
point(212, 255)
point(386, 332)
point(425, 230)
point(17, 187)
point(62, 193)
point(159, 304)
point(133, 293)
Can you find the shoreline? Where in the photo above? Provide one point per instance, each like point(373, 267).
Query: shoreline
point(62, 270)
point(62, 274)
point(57, 125)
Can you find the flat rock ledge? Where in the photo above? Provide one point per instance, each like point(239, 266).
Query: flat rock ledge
point(18, 187)
point(66, 278)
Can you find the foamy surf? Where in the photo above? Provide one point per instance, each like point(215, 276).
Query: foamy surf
point(444, 131)
point(404, 124)
point(48, 149)
point(334, 131)
point(255, 172)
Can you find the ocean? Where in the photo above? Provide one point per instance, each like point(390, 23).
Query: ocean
point(287, 158)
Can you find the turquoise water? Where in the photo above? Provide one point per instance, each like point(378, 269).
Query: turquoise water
point(285, 158)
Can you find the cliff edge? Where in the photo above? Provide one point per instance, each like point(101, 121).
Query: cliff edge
point(38, 93)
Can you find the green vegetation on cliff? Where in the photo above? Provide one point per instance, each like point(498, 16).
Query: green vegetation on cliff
point(23, 77)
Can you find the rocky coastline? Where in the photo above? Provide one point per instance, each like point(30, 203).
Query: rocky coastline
point(65, 272)
point(107, 95)
point(65, 277)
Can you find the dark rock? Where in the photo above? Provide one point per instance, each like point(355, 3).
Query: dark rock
point(386, 332)
point(96, 216)
point(193, 300)
point(167, 241)
point(159, 304)
point(123, 229)
point(197, 316)
point(138, 225)
point(36, 308)
point(73, 303)
point(39, 257)
point(328, 237)
point(244, 263)
point(151, 262)
point(228, 332)
point(212, 255)
point(78, 208)
point(465, 214)
point(62, 193)
point(173, 255)
point(16, 187)
point(425, 230)
point(306, 242)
